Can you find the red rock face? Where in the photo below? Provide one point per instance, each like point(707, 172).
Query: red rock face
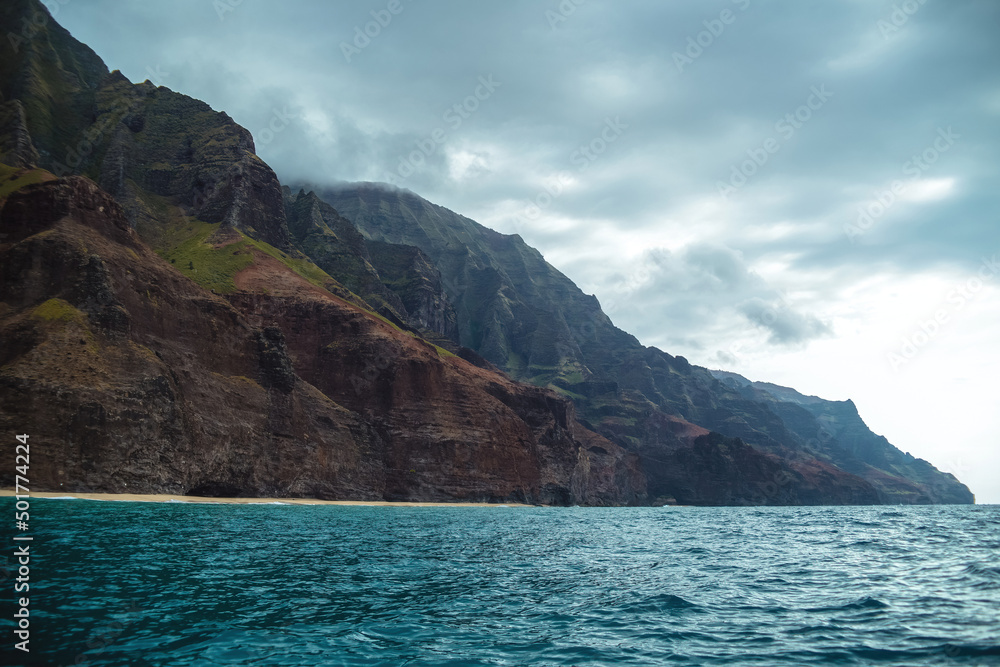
point(139, 380)
point(452, 430)
point(129, 377)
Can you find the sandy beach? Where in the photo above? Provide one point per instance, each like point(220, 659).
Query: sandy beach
point(166, 498)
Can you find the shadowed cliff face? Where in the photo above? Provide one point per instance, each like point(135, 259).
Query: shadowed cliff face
point(411, 276)
point(690, 465)
point(16, 147)
point(521, 314)
point(834, 432)
point(54, 78)
point(335, 246)
point(157, 142)
point(134, 140)
point(397, 281)
point(128, 376)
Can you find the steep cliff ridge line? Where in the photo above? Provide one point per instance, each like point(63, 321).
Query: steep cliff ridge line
point(52, 76)
point(521, 314)
point(835, 431)
point(132, 138)
point(334, 245)
point(513, 307)
point(174, 146)
point(228, 412)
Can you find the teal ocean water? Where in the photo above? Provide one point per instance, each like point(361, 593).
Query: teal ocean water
point(122, 583)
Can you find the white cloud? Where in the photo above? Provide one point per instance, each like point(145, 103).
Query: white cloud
point(929, 189)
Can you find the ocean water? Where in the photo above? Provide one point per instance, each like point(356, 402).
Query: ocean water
point(123, 583)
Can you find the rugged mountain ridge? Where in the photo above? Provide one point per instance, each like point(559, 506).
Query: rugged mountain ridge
point(289, 341)
point(398, 282)
point(523, 315)
point(164, 334)
point(835, 431)
point(409, 274)
point(129, 376)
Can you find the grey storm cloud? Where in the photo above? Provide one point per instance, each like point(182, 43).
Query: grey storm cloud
point(710, 288)
point(785, 325)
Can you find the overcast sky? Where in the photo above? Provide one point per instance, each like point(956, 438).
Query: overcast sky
point(803, 193)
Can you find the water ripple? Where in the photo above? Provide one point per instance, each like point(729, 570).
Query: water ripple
point(188, 584)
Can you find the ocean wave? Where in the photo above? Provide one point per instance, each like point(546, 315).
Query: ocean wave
point(866, 602)
point(660, 602)
point(938, 652)
point(983, 570)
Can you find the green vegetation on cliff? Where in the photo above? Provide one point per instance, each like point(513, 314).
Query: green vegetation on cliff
point(212, 256)
point(13, 179)
point(58, 310)
point(208, 264)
